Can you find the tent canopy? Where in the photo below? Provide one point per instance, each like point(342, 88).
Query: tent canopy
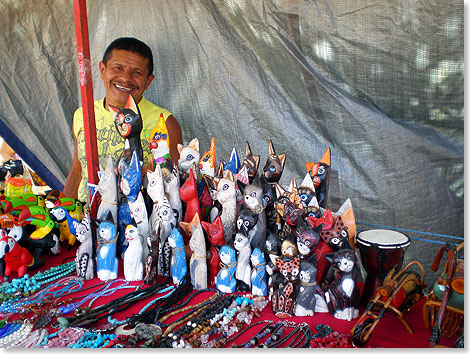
point(380, 83)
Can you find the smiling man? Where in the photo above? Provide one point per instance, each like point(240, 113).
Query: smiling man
point(126, 68)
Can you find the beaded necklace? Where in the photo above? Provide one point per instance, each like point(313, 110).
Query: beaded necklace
point(26, 285)
point(255, 339)
point(17, 335)
point(122, 303)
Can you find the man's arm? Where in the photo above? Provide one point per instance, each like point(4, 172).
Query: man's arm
point(176, 138)
point(74, 177)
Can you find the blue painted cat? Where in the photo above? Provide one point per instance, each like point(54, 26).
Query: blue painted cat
point(225, 280)
point(259, 285)
point(234, 163)
point(179, 269)
point(107, 262)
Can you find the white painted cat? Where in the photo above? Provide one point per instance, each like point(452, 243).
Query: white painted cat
point(133, 265)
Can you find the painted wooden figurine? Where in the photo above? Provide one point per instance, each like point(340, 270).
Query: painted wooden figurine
point(17, 259)
point(128, 123)
point(253, 200)
point(306, 297)
point(198, 262)
point(131, 180)
point(171, 183)
point(179, 269)
point(208, 161)
point(73, 206)
point(133, 266)
point(188, 194)
point(226, 195)
point(274, 166)
point(84, 262)
point(259, 284)
point(156, 192)
point(234, 163)
point(225, 280)
point(139, 213)
point(107, 187)
point(283, 300)
point(243, 272)
point(167, 220)
point(320, 174)
point(65, 221)
point(151, 263)
point(307, 238)
point(159, 142)
point(273, 250)
point(215, 235)
point(251, 162)
point(343, 294)
point(107, 262)
point(189, 159)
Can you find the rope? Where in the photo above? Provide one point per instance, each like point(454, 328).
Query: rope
point(418, 232)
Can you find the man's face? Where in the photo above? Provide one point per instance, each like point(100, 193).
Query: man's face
point(125, 73)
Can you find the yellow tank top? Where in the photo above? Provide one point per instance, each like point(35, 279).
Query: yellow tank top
point(108, 139)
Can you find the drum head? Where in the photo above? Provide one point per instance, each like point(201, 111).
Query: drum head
point(385, 239)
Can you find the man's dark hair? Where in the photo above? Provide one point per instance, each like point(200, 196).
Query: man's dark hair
point(133, 45)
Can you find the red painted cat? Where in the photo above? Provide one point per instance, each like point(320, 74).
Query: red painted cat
point(188, 194)
point(215, 234)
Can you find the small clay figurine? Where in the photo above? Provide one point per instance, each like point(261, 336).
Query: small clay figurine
point(65, 221)
point(234, 163)
point(259, 285)
point(226, 195)
point(225, 280)
point(243, 273)
point(320, 175)
point(128, 122)
point(179, 269)
point(107, 187)
point(208, 161)
point(197, 262)
point(251, 162)
point(172, 189)
point(107, 262)
point(17, 259)
point(84, 263)
point(284, 298)
point(343, 294)
point(189, 159)
point(133, 266)
point(159, 142)
point(215, 235)
point(274, 166)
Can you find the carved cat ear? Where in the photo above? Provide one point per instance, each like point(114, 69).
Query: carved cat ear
point(130, 104)
point(280, 191)
point(293, 185)
point(220, 171)
point(272, 152)
point(307, 182)
point(180, 147)
point(229, 175)
point(194, 144)
point(114, 111)
point(326, 159)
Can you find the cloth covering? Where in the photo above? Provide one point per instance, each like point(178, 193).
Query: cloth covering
point(381, 83)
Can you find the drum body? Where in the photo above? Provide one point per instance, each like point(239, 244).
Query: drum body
point(380, 251)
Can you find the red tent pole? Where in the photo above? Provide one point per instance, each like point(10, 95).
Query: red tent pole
point(86, 90)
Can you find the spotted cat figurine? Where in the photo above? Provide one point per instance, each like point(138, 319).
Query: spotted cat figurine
point(284, 298)
point(343, 294)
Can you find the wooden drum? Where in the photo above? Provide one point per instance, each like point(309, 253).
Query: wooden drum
point(380, 251)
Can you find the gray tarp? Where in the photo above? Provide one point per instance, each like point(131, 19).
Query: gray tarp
point(380, 82)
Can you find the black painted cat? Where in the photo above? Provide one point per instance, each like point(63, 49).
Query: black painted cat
point(343, 294)
point(274, 166)
point(308, 289)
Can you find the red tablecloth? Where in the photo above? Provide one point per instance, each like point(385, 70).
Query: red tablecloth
point(389, 333)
